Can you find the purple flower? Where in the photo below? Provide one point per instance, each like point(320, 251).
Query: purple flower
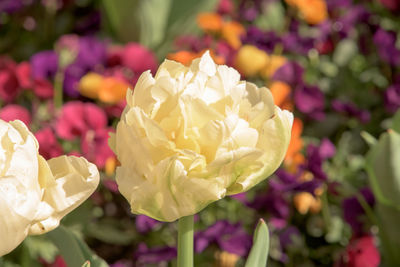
point(144, 255)
point(229, 237)
point(10, 6)
point(351, 110)
point(310, 100)
point(347, 22)
point(385, 42)
point(263, 40)
point(72, 74)
point(145, 224)
point(290, 73)
point(352, 210)
point(294, 43)
point(316, 156)
point(92, 52)
point(392, 98)
point(44, 65)
point(286, 236)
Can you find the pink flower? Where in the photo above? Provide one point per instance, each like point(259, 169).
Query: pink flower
point(94, 146)
point(15, 112)
point(48, 144)
point(138, 58)
point(77, 118)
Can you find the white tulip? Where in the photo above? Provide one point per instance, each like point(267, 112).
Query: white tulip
point(191, 135)
point(34, 193)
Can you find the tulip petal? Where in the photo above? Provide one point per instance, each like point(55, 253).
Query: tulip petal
point(75, 179)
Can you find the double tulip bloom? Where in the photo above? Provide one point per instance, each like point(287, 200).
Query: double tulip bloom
point(34, 193)
point(191, 135)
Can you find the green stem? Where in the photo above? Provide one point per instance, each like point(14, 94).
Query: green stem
point(58, 89)
point(185, 241)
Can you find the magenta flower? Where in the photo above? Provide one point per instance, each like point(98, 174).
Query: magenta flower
point(138, 58)
point(392, 98)
point(77, 118)
point(145, 224)
point(15, 112)
point(310, 101)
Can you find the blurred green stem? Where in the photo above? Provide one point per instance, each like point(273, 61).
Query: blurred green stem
point(185, 241)
point(58, 89)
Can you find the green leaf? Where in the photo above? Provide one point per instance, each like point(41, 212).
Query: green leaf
point(121, 17)
point(396, 122)
point(74, 251)
point(86, 264)
point(368, 138)
point(153, 17)
point(384, 169)
point(344, 52)
point(259, 252)
point(273, 17)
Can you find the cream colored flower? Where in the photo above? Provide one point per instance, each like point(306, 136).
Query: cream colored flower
point(191, 135)
point(34, 193)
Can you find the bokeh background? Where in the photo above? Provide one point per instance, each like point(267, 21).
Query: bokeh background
point(65, 66)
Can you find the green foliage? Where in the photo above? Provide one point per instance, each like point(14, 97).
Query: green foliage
point(74, 250)
point(259, 252)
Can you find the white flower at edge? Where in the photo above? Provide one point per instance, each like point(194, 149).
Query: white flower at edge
point(34, 193)
point(191, 135)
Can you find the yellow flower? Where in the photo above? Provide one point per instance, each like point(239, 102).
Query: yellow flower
point(191, 135)
point(34, 193)
point(89, 84)
point(250, 60)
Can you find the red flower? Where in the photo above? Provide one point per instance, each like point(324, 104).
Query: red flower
point(43, 89)
point(9, 85)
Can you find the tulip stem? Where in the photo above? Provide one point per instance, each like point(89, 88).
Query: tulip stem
point(185, 241)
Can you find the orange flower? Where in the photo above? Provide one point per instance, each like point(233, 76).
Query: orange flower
point(293, 155)
point(231, 32)
point(186, 57)
point(313, 11)
point(305, 202)
point(112, 90)
point(280, 91)
point(209, 22)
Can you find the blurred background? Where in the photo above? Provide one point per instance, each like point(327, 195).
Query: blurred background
point(65, 66)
